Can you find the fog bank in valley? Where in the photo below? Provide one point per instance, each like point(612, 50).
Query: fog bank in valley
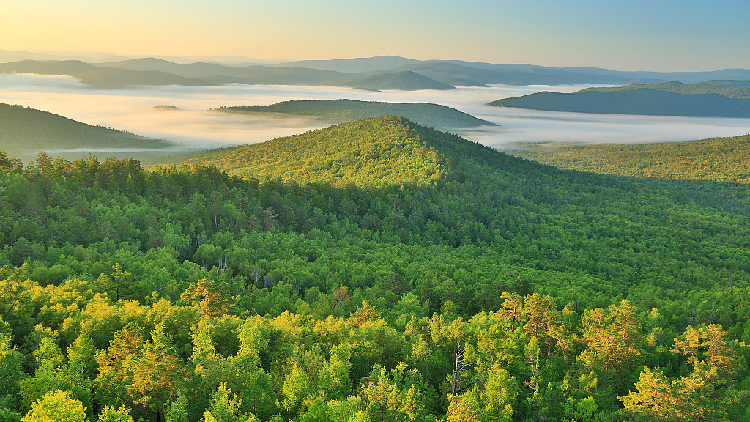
point(192, 126)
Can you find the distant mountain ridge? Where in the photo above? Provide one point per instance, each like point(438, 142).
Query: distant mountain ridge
point(151, 71)
point(359, 65)
point(404, 80)
point(708, 99)
point(95, 75)
point(379, 72)
point(477, 73)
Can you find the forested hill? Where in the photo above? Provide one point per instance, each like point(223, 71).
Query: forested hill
point(26, 131)
point(184, 293)
point(709, 99)
point(340, 111)
point(714, 159)
point(375, 152)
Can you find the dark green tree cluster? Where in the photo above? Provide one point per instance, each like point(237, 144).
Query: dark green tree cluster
point(369, 153)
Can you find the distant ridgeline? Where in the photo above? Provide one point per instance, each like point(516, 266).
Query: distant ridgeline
point(369, 153)
point(372, 73)
point(709, 99)
point(96, 75)
point(161, 72)
point(340, 111)
point(26, 131)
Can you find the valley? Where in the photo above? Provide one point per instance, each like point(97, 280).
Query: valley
point(193, 127)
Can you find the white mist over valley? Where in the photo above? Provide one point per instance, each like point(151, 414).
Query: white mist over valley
point(192, 126)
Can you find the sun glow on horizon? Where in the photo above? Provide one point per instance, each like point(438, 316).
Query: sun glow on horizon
point(618, 36)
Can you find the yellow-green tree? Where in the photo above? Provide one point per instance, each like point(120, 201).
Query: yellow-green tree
point(614, 344)
point(56, 406)
point(706, 393)
point(138, 373)
point(110, 414)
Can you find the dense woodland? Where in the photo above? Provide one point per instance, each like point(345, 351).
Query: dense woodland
point(489, 288)
point(714, 159)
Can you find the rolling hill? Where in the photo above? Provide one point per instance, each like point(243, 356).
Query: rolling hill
point(707, 99)
point(498, 194)
point(370, 152)
point(714, 159)
point(27, 131)
point(340, 111)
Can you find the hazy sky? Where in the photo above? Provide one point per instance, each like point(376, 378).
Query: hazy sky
point(664, 35)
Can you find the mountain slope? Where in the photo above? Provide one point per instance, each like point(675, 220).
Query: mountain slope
point(358, 65)
point(710, 99)
point(423, 185)
point(370, 152)
point(715, 159)
point(405, 80)
point(26, 131)
point(725, 88)
point(340, 111)
point(189, 70)
point(95, 75)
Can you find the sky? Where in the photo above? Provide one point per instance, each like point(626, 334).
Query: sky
point(657, 35)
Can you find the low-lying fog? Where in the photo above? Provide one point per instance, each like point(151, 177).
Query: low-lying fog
point(132, 109)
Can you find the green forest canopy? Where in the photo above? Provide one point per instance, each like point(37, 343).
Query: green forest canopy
point(184, 293)
point(714, 159)
point(372, 152)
